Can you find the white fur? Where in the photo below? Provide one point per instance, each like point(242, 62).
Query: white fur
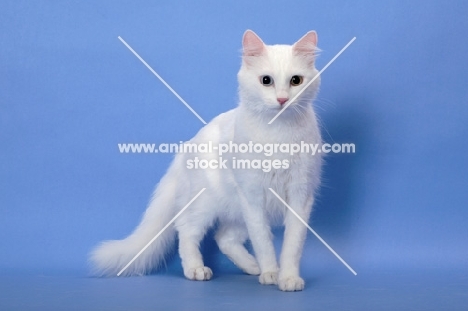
point(238, 200)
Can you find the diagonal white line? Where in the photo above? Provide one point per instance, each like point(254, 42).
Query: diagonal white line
point(160, 232)
point(312, 230)
point(311, 81)
point(162, 80)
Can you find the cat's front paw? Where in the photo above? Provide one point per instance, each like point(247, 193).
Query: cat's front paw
point(198, 274)
point(268, 278)
point(291, 283)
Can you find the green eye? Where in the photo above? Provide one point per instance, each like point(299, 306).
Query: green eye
point(266, 80)
point(296, 80)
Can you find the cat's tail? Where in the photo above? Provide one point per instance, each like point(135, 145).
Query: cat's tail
point(110, 257)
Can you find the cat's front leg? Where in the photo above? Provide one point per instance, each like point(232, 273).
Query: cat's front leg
point(252, 202)
point(294, 236)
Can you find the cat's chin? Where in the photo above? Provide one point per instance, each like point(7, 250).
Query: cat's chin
point(275, 108)
point(289, 110)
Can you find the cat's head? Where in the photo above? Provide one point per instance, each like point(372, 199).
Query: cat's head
point(272, 75)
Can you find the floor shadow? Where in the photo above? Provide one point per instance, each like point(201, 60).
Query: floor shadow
point(212, 257)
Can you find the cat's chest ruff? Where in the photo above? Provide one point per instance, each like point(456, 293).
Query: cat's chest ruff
point(273, 133)
point(248, 128)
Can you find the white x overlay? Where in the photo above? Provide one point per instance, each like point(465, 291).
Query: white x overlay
point(311, 81)
point(313, 231)
point(161, 231)
point(203, 121)
point(162, 80)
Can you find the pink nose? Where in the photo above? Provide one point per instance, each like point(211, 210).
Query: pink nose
point(282, 100)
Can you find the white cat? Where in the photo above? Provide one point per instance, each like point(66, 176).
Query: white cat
point(238, 200)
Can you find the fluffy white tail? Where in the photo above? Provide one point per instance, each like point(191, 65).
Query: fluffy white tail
point(111, 256)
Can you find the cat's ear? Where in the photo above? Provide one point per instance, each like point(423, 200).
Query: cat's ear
point(307, 45)
point(252, 45)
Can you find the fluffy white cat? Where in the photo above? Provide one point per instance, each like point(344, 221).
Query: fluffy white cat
point(238, 200)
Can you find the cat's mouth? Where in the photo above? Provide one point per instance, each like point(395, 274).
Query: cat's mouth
point(276, 106)
point(281, 106)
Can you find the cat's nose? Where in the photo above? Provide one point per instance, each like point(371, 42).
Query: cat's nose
point(282, 100)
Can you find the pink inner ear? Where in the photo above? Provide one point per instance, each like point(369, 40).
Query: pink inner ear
point(307, 44)
point(252, 44)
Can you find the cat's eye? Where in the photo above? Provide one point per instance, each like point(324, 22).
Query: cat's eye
point(266, 80)
point(296, 80)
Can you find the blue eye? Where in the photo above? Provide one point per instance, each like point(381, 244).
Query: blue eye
point(266, 80)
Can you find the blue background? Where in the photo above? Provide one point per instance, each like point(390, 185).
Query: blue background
point(70, 91)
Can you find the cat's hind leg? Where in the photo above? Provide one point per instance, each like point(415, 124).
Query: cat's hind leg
point(190, 235)
point(231, 239)
point(192, 260)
